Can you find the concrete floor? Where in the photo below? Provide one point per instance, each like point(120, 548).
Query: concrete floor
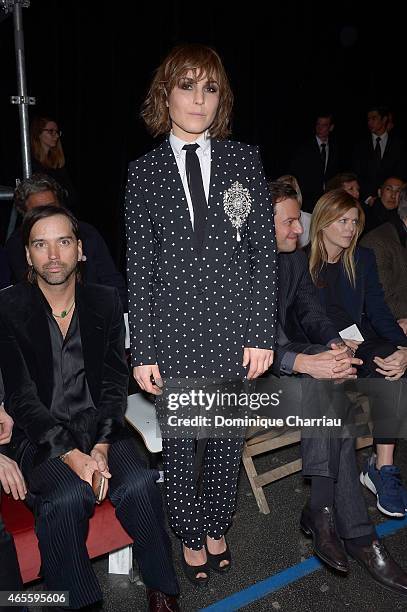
point(263, 545)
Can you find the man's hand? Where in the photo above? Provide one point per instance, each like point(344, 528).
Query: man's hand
point(335, 364)
point(403, 325)
point(143, 375)
point(11, 478)
point(6, 426)
point(352, 344)
point(83, 465)
point(258, 360)
point(393, 366)
point(99, 454)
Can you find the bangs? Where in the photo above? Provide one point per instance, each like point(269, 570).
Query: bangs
point(202, 62)
point(203, 72)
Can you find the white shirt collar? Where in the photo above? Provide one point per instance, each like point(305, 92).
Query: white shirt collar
point(320, 142)
point(383, 137)
point(204, 142)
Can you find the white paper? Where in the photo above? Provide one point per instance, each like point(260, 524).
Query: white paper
point(121, 561)
point(351, 333)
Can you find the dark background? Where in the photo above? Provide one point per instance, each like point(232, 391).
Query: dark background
point(89, 64)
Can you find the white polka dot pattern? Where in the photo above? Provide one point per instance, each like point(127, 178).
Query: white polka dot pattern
point(194, 314)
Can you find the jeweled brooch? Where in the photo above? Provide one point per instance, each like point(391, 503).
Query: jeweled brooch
point(237, 203)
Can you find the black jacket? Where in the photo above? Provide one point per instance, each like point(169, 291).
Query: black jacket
point(194, 314)
point(307, 167)
point(371, 174)
point(302, 321)
point(26, 364)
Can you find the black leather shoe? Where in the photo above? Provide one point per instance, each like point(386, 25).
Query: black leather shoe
point(383, 569)
point(320, 525)
point(160, 602)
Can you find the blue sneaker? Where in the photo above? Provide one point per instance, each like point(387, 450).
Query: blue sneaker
point(386, 485)
point(403, 492)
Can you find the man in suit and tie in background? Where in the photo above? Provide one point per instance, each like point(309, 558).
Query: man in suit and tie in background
point(308, 345)
point(379, 155)
point(316, 161)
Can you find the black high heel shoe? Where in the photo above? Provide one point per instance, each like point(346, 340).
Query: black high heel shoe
point(192, 571)
point(214, 561)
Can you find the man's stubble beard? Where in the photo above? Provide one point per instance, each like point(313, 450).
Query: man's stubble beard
point(54, 279)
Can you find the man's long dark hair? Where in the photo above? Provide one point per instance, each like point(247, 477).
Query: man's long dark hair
point(44, 212)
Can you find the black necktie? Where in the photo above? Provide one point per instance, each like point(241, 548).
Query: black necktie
point(323, 155)
point(378, 150)
point(197, 192)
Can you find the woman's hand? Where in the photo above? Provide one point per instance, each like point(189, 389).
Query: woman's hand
point(393, 366)
point(258, 360)
point(143, 375)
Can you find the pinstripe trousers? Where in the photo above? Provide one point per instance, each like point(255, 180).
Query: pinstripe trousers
point(62, 505)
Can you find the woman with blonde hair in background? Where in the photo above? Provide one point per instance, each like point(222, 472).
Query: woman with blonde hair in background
point(348, 286)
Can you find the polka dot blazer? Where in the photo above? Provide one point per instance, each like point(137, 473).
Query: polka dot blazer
point(194, 313)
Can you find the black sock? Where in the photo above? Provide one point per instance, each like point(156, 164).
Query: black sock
point(322, 492)
point(365, 540)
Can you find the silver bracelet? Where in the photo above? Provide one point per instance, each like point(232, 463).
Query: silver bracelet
point(64, 456)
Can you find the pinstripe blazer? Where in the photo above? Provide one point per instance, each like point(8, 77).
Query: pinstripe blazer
point(303, 326)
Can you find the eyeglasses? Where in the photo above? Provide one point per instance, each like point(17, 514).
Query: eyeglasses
point(53, 132)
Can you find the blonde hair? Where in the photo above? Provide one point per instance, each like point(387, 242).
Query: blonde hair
point(329, 208)
point(54, 158)
point(291, 180)
point(203, 61)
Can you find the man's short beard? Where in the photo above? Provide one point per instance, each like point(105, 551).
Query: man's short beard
point(48, 278)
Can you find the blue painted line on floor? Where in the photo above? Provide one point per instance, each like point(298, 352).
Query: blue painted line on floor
point(291, 574)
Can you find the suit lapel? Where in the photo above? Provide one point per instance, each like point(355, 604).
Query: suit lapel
point(172, 192)
point(92, 328)
point(37, 329)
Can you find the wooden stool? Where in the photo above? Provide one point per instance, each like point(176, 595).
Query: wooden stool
point(269, 441)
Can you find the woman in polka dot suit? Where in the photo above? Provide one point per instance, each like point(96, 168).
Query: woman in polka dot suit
point(202, 280)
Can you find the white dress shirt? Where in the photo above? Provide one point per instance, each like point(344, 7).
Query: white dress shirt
point(383, 142)
point(204, 156)
point(320, 142)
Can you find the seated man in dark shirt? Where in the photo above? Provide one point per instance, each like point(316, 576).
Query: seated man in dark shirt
point(97, 265)
point(66, 379)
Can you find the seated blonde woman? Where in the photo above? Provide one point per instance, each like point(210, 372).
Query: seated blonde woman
point(348, 286)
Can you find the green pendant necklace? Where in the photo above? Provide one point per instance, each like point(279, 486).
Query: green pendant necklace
point(64, 313)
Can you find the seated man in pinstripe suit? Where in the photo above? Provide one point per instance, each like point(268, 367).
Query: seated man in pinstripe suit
point(65, 378)
point(308, 345)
